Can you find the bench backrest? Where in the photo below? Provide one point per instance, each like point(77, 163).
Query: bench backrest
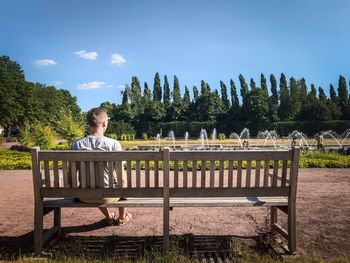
point(80, 174)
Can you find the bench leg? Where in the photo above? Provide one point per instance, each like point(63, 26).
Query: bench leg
point(292, 228)
point(57, 220)
point(165, 225)
point(38, 227)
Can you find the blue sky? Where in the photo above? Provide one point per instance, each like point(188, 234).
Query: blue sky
point(92, 48)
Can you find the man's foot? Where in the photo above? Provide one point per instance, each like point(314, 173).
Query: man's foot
point(123, 220)
point(112, 221)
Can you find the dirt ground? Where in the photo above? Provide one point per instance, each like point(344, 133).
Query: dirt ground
point(323, 216)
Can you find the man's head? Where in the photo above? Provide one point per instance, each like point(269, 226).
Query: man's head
point(97, 118)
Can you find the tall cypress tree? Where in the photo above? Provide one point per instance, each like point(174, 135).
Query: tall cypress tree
point(186, 102)
point(224, 96)
point(252, 84)
point(273, 100)
point(176, 105)
point(157, 89)
point(166, 94)
point(234, 96)
point(321, 95)
point(343, 98)
point(263, 84)
point(135, 96)
point(245, 97)
point(294, 99)
point(146, 94)
point(195, 93)
point(204, 88)
point(284, 111)
point(332, 94)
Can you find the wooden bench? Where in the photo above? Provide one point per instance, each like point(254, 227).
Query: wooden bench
point(166, 179)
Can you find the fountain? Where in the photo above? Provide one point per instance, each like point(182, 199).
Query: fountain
point(213, 136)
point(345, 135)
point(302, 139)
point(158, 139)
point(171, 137)
point(268, 135)
point(235, 136)
point(186, 139)
point(333, 135)
point(203, 137)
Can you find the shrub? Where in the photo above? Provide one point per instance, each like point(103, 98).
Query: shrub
point(222, 136)
point(69, 129)
point(112, 136)
point(43, 136)
point(144, 136)
point(1, 138)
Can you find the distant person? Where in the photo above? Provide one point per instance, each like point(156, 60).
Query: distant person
point(294, 141)
point(319, 141)
point(97, 119)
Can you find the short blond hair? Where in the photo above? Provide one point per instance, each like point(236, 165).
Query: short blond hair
point(95, 116)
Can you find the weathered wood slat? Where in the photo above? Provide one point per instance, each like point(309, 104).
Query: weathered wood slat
point(176, 174)
point(128, 173)
point(212, 173)
point(230, 192)
point(176, 202)
point(185, 174)
point(65, 174)
point(248, 173)
point(266, 173)
point(73, 166)
point(275, 173)
point(92, 174)
point(99, 156)
point(221, 174)
point(194, 174)
point(47, 174)
point(156, 174)
point(82, 174)
point(110, 174)
point(120, 171)
point(257, 173)
point(101, 176)
point(230, 173)
point(147, 179)
point(231, 155)
point(138, 174)
point(284, 172)
point(277, 227)
point(203, 173)
point(239, 174)
point(56, 179)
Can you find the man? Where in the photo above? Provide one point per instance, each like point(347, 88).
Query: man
point(97, 119)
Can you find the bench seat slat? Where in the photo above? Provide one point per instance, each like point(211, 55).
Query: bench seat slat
point(176, 202)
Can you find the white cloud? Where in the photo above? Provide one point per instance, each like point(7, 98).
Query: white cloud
point(121, 86)
point(92, 85)
point(117, 59)
point(57, 83)
point(42, 63)
point(86, 55)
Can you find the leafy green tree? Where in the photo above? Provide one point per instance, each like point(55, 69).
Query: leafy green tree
point(252, 84)
point(146, 95)
point(259, 106)
point(69, 129)
point(332, 94)
point(224, 96)
point(157, 89)
point(321, 95)
point(295, 104)
point(343, 98)
point(204, 88)
point(195, 93)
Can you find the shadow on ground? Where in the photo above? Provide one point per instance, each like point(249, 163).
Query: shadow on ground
point(201, 247)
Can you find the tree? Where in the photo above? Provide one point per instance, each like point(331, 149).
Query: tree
point(204, 88)
point(343, 98)
point(186, 102)
point(252, 84)
point(295, 105)
point(166, 94)
point(195, 93)
point(245, 97)
point(263, 84)
point(176, 107)
point(157, 89)
point(332, 94)
point(284, 111)
point(321, 95)
point(273, 100)
point(224, 96)
point(146, 99)
point(135, 97)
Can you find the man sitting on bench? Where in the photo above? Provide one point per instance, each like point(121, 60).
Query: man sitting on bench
point(97, 119)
